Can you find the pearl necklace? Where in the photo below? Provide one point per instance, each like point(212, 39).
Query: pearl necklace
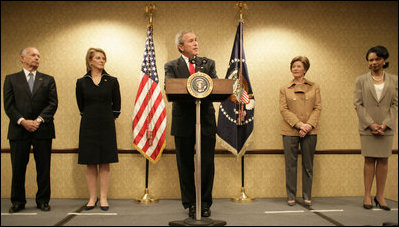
point(378, 80)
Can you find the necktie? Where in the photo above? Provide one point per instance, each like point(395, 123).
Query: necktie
point(192, 68)
point(31, 81)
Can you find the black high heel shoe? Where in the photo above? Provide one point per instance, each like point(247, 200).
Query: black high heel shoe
point(91, 207)
point(377, 204)
point(104, 208)
point(368, 206)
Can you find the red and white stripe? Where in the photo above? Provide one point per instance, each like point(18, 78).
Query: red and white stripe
point(149, 114)
point(244, 97)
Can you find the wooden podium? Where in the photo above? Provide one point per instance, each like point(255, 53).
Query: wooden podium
point(177, 90)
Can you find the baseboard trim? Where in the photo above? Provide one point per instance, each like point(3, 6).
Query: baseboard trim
point(218, 151)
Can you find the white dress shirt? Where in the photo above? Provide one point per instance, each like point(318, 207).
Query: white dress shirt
point(378, 90)
point(187, 63)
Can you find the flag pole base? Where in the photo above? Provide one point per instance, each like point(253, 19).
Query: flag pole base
point(194, 222)
point(147, 198)
point(243, 198)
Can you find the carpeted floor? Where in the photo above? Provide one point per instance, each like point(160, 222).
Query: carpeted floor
point(337, 211)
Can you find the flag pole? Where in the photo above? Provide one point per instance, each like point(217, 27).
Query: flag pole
point(147, 198)
point(243, 197)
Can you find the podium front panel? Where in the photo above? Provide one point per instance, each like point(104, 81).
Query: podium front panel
point(176, 90)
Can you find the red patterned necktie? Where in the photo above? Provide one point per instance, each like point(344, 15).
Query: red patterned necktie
point(192, 68)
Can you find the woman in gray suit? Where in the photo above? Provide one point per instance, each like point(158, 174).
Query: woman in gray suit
point(376, 104)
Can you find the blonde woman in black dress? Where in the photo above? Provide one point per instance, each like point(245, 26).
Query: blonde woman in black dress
point(376, 104)
point(99, 102)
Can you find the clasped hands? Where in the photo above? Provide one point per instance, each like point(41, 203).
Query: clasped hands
point(30, 125)
point(304, 129)
point(377, 129)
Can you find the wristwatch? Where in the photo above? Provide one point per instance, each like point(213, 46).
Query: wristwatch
point(39, 120)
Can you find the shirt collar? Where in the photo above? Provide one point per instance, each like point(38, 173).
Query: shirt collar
point(103, 73)
point(185, 58)
point(27, 72)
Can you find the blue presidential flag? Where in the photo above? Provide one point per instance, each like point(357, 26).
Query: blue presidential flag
point(236, 114)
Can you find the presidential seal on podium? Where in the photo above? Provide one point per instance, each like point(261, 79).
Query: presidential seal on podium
point(199, 85)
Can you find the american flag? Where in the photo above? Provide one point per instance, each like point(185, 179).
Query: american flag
point(149, 115)
point(244, 97)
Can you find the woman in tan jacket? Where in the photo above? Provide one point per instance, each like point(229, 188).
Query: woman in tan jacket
point(300, 106)
point(376, 104)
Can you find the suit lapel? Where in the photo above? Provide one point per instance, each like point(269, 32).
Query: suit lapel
point(386, 84)
point(38, 82)
point(23, 82)
point(182, 68)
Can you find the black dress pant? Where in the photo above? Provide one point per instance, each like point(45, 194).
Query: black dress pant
point(185, 165)
point(20, 150)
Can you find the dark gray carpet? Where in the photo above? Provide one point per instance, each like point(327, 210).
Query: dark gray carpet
point(335, 211)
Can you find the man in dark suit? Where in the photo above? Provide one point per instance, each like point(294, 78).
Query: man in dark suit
point(30, 101)
point(183, 128)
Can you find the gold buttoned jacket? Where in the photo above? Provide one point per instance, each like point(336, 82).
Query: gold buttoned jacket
point(300, 103)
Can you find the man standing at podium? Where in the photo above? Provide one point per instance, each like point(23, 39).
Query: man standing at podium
point(183, 128)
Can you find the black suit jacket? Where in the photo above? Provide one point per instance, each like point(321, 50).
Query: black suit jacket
point(183, 113)
point(20, 102)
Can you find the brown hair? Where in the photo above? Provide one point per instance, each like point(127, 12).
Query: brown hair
point(89, 56)
point(303, 59)
point(179, 40)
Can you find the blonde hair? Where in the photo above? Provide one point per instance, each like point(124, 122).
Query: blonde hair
point(303, 59)
point(89, 56)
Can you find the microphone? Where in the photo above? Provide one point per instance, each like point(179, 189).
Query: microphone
point(198, 61)
point(193, 60)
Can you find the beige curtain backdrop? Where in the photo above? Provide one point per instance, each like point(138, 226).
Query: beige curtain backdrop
point(335, 36)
